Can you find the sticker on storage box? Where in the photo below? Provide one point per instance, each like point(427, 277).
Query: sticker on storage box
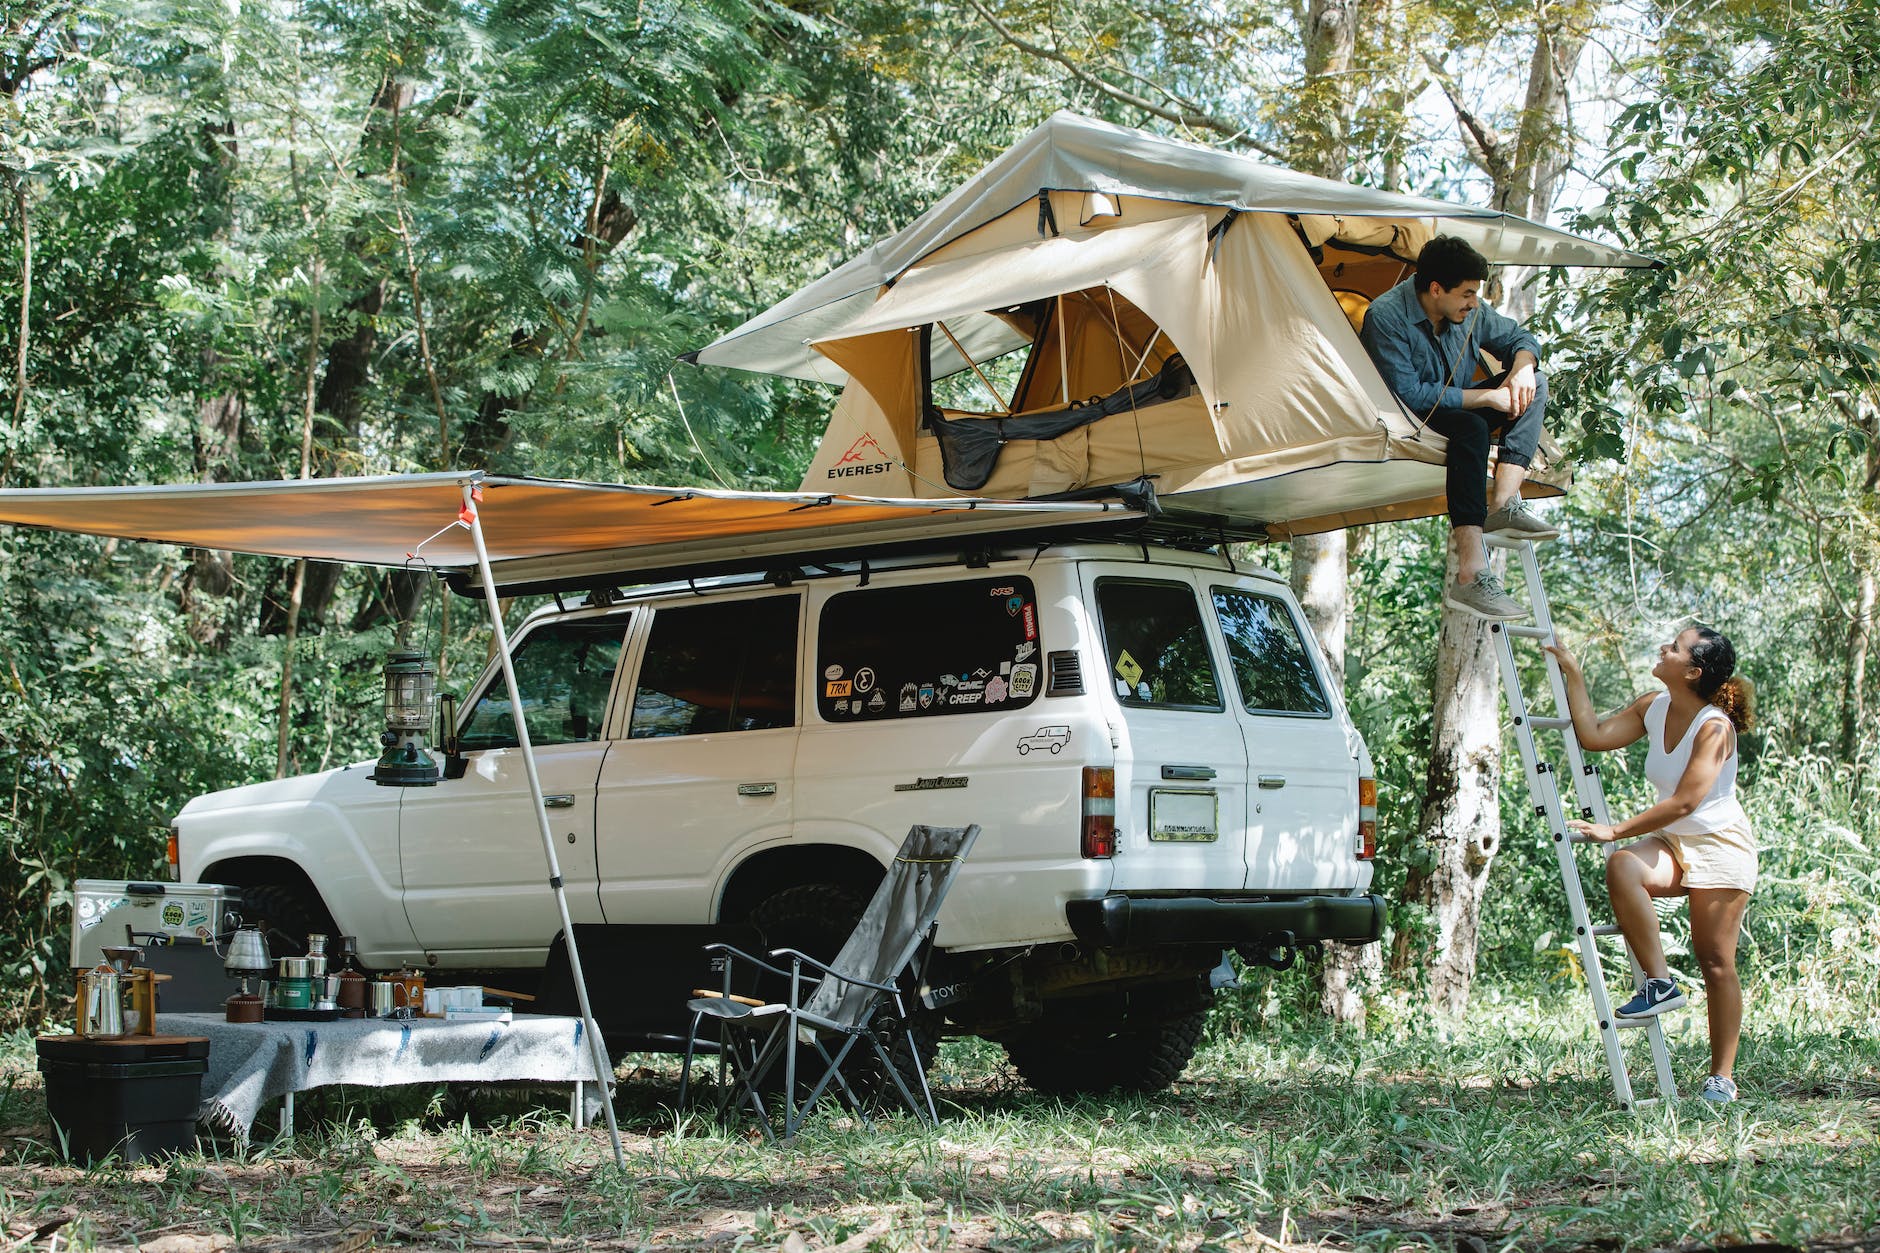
point(1183, 816)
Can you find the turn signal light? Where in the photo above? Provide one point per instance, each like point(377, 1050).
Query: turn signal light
point(173, 856)
point(1367, 819)
point(1099, 811)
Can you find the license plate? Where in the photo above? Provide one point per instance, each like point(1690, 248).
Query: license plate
point(1183, 816)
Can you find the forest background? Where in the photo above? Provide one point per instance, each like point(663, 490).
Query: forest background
point(267, 240)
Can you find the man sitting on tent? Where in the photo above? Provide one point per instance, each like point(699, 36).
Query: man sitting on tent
point(1426, 335)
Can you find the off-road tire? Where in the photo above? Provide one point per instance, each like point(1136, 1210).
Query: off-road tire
point(816, 918)
point(1078, 1056)
point(292, 913)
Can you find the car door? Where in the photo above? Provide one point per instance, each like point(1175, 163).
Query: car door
point(706, 763)
point(1301, 772)
point(1181, 772)
point(476, 879)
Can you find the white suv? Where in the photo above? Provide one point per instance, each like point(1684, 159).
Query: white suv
point(1145, 735)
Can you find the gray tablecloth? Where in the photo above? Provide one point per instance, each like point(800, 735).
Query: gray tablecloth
point(251, 1064)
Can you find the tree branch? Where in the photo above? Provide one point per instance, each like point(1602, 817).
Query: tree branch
point(1185, 114)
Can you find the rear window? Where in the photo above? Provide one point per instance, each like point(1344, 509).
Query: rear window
point(1156, 649)
point(1270, 662)
point(919, 652)
point(716, 667)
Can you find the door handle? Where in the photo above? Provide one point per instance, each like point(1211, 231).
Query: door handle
point(757, 789)
point(1270, 781)
point(563, 800)
point(1187, 772)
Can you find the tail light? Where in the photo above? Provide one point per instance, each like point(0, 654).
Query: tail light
point(172, 855)
point(1367, 819)
point(1099, 811)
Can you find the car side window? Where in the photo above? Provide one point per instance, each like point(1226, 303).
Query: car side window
point(928, 650)
point(722, 666)
point(1156, 649)
point(1270, 662)
point(563, 671)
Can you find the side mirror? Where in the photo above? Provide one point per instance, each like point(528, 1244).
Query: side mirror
point(454, 761)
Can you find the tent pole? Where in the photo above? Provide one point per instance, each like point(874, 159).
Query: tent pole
point(603, 1073)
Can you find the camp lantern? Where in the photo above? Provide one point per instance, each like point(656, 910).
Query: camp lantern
point(410, 695)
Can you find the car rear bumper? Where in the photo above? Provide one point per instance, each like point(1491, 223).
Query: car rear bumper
point(1119, 921)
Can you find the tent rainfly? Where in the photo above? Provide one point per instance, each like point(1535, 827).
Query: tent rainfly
point(1100, 306)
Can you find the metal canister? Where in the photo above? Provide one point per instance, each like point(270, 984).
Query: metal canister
point(293, 986)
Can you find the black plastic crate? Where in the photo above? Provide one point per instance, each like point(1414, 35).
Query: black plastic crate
point(134, 1108)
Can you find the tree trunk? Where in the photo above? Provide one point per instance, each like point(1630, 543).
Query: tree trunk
point(1459, 830)
point(1854, 690)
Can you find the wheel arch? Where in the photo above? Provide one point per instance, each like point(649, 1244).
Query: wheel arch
point(771, 870)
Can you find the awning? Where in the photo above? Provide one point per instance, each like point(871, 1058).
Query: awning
point(540, 532)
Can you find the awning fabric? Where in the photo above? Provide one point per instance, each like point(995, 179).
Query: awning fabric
point(538, 531)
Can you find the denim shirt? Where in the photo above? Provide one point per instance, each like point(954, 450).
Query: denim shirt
point(1417, 361)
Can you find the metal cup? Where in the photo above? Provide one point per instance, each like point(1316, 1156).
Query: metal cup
point(383, 996)
point(103, 1007)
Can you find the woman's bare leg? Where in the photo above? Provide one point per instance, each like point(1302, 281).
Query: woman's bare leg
point(1635, 874)
point(1716, 918)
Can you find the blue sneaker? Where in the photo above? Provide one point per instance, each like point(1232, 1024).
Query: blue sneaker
point(1658, 996)
point(1719, 1090)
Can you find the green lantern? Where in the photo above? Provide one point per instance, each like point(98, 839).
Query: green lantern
point(410, 697)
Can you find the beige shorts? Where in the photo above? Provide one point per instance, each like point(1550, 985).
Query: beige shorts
point(1716, 859)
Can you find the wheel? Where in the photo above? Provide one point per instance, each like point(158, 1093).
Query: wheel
point(1056, 748)
point(290, 913)
point(1024, 750)
point(1091, 1053)
point(817, 918)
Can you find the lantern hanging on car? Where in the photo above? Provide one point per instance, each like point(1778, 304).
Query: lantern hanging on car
point(410, 698)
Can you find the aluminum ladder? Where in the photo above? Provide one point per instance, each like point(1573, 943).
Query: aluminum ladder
point(1544, 789)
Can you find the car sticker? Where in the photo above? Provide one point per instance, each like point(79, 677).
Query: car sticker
point(910, 697)
point(1005, 667)
point(949, 680)
point(1126, 668)
point(1013, 604)
point(1004, 591)
point(926, 695)
point(1024, 650)
point(963, 698)
point(855, 706)
point(877, 702)
point(1031, 623)
point(832, 672)
point(995, 690)
point(980, 673)
point(1024, 681)
point(865, 680)
point(837, 687)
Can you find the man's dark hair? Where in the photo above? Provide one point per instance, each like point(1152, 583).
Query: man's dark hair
point(1449, 262)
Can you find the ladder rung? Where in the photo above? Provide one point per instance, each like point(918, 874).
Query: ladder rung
point(1577, 838)
point(1610, 928)
point(1525, 632)
point(1502, 541)
point(1550, 724)
point(1641, 1101)
point(1628, 1024)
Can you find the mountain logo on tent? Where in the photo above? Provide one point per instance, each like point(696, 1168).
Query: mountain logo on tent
point(864, 456)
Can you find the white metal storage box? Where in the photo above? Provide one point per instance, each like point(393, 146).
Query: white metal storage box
point(112, 911)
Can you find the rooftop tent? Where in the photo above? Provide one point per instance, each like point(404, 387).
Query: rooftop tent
point(1099, 305)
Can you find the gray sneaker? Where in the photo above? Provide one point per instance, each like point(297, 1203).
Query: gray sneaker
point(1719, 1090)
point(1517, 520)
point(1485, 598)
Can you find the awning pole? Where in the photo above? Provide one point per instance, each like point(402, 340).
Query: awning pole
point(603, 1072)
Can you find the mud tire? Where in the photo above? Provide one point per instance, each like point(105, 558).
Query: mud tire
point(1085, 1055)
point(292, 912)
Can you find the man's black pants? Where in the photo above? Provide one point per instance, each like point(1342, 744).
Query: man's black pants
point(1470, 432)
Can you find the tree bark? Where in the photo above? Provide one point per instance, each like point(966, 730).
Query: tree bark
point(1859, 643)
point(1459, 829)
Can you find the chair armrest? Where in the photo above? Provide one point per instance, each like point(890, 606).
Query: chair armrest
point(745, 957)
point(837, 975)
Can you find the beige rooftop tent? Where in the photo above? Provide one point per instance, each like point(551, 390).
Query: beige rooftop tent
point(1100, 307)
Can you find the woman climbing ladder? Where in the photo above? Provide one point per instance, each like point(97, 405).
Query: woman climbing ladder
point(1697, 838)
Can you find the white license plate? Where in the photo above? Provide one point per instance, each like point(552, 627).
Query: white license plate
point(1184, 817)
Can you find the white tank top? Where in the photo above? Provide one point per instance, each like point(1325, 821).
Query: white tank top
point(1666, 770)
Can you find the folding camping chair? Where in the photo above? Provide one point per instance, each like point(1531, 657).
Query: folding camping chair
point(830, 1010)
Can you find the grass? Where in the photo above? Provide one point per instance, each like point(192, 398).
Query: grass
point(1498, 1134)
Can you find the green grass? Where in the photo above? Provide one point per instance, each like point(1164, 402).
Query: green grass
point(1499, 1133)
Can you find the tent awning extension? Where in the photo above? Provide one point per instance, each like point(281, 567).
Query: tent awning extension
point(540, 532)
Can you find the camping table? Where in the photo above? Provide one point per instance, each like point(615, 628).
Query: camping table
point(253, 1063)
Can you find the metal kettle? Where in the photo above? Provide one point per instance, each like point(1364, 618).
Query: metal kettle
point(101, 1009)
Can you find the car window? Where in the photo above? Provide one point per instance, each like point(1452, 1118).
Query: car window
point(936, 648)
point(1269, 659)
point(1155, 645)
point(723, 666)
point(563, 671)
